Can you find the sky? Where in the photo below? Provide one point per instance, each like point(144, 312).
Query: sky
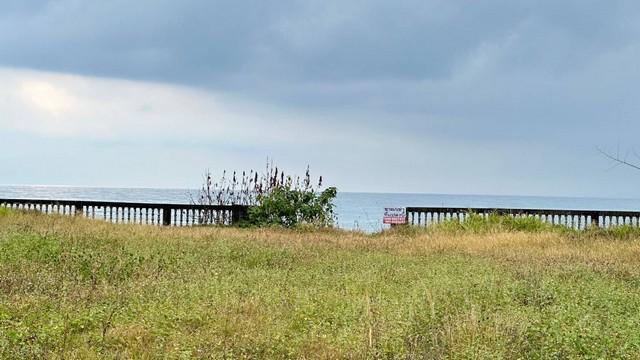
point(421, 96)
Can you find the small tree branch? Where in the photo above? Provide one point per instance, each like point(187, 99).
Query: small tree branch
point(618, 160)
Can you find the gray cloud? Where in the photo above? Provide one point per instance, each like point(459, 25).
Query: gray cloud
point(196, 41)
point(513, 79)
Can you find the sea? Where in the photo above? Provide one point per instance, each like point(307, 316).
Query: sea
point(354, 211)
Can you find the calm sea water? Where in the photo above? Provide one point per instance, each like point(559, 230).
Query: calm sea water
point(362, 211)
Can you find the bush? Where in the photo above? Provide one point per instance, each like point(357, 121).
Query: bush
point(273, 197)
point(289, 207)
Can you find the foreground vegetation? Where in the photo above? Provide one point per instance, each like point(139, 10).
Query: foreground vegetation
point(75, 288)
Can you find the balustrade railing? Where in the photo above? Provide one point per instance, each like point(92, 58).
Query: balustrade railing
point(135, 213)
point(577, 219)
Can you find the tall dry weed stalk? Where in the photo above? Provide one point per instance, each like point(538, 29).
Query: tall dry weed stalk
point(245, 188)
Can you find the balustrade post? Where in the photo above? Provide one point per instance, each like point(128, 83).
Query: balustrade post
point(238, 213)
point(166, 216)
point(77, 209)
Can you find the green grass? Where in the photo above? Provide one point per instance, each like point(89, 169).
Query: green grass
point(477, 224)
point(73, 288)
point(4, 211)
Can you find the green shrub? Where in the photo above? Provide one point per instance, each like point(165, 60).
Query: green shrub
point(290, 207)
point(273, 197)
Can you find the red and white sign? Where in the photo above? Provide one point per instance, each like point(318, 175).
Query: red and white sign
point(395, 216)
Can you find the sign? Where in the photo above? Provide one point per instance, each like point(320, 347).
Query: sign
point(395, 216)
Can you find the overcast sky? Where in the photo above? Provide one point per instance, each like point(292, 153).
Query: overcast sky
point(466, 97)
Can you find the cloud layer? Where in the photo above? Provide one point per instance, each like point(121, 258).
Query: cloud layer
point(422, 96)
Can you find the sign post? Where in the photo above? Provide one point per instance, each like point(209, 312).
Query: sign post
point(395, 216)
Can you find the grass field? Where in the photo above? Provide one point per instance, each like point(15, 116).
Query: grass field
point(74, 288)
